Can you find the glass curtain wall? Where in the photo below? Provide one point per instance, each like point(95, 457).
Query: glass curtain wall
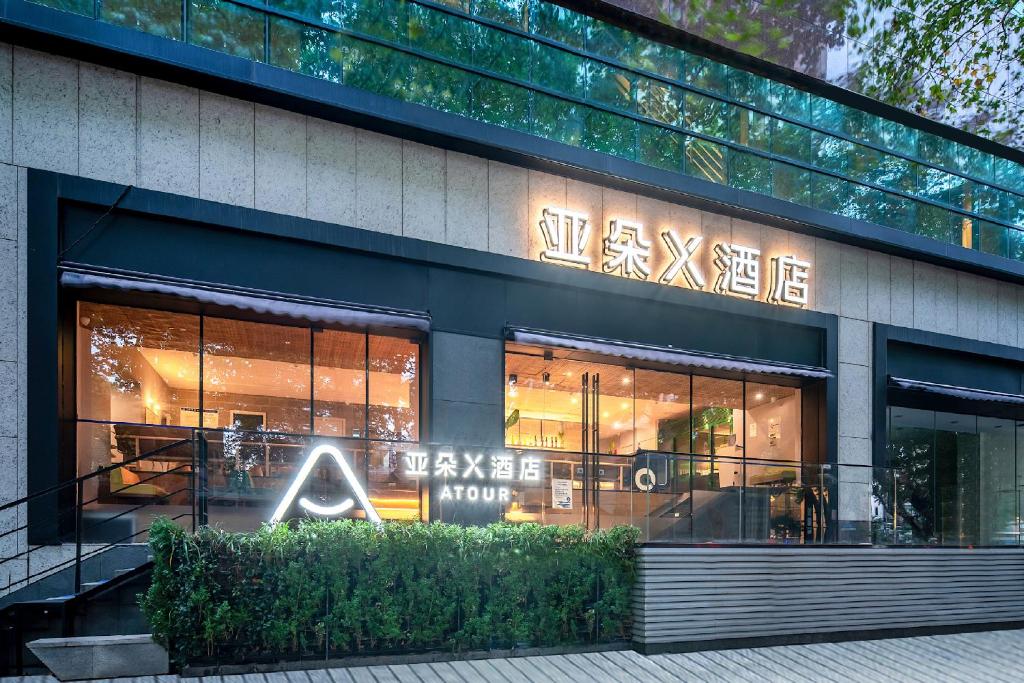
point(950, 480)
point(719, 459)
point(538, 67)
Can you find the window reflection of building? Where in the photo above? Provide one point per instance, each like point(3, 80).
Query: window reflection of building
point(952, 479)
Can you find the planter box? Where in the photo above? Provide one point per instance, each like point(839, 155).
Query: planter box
point(72, 659)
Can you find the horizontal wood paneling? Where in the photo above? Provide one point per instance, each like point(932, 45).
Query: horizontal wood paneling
point(697, 594)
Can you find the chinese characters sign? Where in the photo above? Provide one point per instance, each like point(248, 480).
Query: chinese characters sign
point(628, 251)
point(473, 477)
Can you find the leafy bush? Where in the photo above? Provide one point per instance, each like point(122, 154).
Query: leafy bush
point(347, 587)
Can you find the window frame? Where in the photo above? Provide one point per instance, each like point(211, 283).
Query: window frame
point(687, 374)
point(68, 305)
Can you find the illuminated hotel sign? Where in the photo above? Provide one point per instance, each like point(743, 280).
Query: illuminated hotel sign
point(469, 476)
point(340, 508)
point(473, 477)
point(628, 252)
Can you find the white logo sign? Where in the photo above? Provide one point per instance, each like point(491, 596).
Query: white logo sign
point(473, 476)
point(325, 510)
point(789, 280)
point(629, 254)
point(741, 269)
point(645, 479)
point(682, 255)
point(627, 250)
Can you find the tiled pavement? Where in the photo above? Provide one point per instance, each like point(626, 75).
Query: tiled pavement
point(988, 656)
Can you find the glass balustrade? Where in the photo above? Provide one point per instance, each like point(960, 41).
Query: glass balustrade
point(537, 67)
point(238, 479)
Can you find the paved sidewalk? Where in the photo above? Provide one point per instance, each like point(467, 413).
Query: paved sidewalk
point(989, 656)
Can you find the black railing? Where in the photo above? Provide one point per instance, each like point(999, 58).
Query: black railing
point(84, 531)
point(237, 480)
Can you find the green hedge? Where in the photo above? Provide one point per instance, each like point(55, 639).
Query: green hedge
point(348, 587)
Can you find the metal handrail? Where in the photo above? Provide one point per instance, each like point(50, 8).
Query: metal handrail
point(81, 502)
point(85, 556)
point(102, 470)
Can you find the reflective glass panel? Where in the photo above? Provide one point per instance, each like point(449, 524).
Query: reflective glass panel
point(256, 377)
point(772, 418)
point(305, 49)
point(339, 383)
point(137, 365)
point(227, 27)
point(717, 416)
point(156, 17)
point(662, 411)
point(394, 389)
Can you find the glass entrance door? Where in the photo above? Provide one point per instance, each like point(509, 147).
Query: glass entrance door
point(581, 413)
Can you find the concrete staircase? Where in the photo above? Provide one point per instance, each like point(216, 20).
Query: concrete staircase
point(50, 608)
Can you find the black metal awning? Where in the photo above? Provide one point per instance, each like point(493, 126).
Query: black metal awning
point(307, 310)
point(965, 393)
point(664, 355)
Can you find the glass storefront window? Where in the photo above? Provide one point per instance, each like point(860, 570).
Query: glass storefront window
point(339, 383)
point(662, 411)
point(545, 400)
point(255, 377)
point(644, 409)
point(616, 432)
point(688, 458)
point(143, 366)
point(772, 422)
point(717, 416)
point(263, 394)
point(394, 389)
point(951, 479)
point(136, 365)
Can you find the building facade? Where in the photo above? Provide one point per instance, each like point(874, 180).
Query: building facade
point(514, 262)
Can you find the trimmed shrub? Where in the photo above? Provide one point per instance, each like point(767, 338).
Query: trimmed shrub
point(348, 587)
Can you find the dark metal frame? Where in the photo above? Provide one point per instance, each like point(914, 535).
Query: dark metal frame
point(1012, 356)
point(84, 38)
point(51, 393)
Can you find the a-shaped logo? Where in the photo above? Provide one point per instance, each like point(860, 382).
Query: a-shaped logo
point(326, 510)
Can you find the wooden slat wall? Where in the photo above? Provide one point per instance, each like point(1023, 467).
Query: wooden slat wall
point(695, 594)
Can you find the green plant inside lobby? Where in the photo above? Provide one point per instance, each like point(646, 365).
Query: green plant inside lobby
point(335, 588)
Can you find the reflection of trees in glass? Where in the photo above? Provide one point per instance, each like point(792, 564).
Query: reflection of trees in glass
point(305, 49)
point(394, 422)
point(77, 6)
point(239, 459)
point(501, 104)
point(967, 57)
point(709, 418)
point(957, 61)
point(226, 27)
point(159, 17)
point(910, 478)
point(788, 31)
point(328, 11)
point(109, 350)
